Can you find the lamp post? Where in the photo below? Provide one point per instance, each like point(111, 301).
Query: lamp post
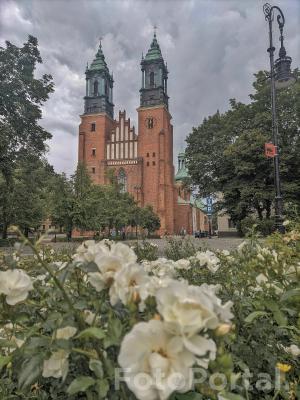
point(281, 77)
point(137, 189)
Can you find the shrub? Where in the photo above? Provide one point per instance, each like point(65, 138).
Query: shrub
point(179, 248)
point(68, 322)
point(146, 250)
point(265, 227)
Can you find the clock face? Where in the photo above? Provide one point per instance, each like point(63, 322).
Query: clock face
point(150, 122)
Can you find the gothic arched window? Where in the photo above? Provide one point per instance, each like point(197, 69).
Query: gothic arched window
point(151, 79)
point(96, 88)
point(122, 181)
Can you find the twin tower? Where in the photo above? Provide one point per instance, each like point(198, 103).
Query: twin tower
point(143, 160)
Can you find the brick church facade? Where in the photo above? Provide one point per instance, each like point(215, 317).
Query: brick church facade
point(142, 160)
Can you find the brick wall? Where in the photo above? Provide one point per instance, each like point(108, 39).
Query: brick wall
point(91, 148)
point(155, 146)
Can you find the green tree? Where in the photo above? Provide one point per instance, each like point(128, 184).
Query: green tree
point(21, 98)
point(225, 154)
point(73, 201)
point(148, 219)
point(78, 203)
point(62, 202)
point(29, 198)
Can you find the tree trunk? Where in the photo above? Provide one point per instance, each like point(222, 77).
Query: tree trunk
point(4, 231)
point(6, 214)
point(259, 212)
point(268, 209)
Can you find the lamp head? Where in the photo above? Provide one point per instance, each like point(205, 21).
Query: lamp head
point(283, 75)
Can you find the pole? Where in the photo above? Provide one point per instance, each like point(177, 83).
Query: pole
point(278, 197)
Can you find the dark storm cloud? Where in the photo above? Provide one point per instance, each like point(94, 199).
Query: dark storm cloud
point(213, 48)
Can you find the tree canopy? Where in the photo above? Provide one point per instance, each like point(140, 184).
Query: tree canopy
point(225, 154)
point(78, 203)
point(21, 136)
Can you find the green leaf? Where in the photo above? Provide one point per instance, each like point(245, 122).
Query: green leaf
point(35, 342)
point(114, 333)
point(30, 370)
point(280, 318)
point(256, 314)
point(90, 267)
point(230, 396)
point(271, 305)
point(290, 293)
point(7, 343)
point(97, 367)
point(102, 387)
point(93, 332)
point(187, 396)
point(22, 317)
point(65, 344)
point(4, 360)
point(80, 384)
point(81, 304)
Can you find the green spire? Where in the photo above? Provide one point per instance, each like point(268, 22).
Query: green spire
point(198, 203)
point(99, 63)
point(154, 53)
point(182, 172)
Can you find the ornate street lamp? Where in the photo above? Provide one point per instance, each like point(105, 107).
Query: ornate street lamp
point(281, 77)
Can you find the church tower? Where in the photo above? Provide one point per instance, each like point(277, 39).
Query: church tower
point(97, 119)
point(155, 144)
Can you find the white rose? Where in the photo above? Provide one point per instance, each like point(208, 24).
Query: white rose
point(223, 311)
point(90, 317)
point(209, 259)
point(109, 260)
point(159, 359)
point(293, 349)
point(156, 283)
point(57, 365)
point(41, 278)
point(19, 342)
point(241, 246)
point(187, 310)
point(261, 279)
point(60, 265)
point(184, 310)
point(88, 250)
point(130, 284)
point(183, 264)
point(66, 332)
point(225, 253)
point(161, 267)
point(15, 284)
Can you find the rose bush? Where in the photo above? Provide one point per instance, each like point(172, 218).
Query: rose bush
point(104, 323)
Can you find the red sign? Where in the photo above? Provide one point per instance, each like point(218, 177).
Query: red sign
point(270, 150)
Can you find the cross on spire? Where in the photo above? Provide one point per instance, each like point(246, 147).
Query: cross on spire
point(100, 40)
point(155, 29)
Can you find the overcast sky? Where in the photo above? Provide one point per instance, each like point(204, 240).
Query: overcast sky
point(212, 47)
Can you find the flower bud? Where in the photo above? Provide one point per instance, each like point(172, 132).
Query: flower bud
point(136, 298)
point(157, 317)
point(223, 329)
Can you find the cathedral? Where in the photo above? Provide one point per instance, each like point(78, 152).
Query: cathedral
point(142, 159)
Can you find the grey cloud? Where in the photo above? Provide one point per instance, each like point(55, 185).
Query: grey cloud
point(212, 47)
